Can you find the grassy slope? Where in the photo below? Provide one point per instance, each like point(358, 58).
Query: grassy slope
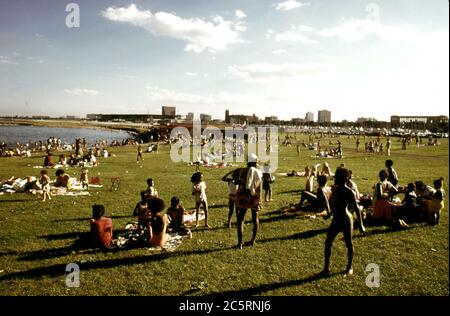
point(35, 237)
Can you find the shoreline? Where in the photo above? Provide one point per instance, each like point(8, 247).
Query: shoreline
point(131, 128)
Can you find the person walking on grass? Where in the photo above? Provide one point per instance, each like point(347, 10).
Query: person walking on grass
point(248, 196)
point(342, 198)
point(139, 154)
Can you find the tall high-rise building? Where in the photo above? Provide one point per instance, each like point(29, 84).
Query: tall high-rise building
point(309, 117)
point(227, 116)
point(324, 116)
point(169, 111)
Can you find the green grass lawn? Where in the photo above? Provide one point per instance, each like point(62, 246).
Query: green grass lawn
point(36, 237)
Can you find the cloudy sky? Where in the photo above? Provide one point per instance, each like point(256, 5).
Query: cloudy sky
point(269, 57)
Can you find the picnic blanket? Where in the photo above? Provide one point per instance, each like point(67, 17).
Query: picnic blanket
point(190, 217)
point(131, 238)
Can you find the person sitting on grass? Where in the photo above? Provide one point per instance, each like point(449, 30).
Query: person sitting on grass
point(326, 170)
point(410, 209)
point(175, 214)
point(309, 187)
point(62, 179)
point(101, 228)
point(151, 191)
point(434, 206)
point(48, 160)
point(156, 224)
point(318, 202)
point(384, 190)
point(142, 212)
point(392, 174)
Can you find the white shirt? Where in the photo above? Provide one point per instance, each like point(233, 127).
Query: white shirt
point(254, 179)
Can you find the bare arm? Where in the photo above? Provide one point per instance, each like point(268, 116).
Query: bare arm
point(225, 177)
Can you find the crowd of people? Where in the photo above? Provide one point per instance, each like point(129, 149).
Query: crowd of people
point(248, 187)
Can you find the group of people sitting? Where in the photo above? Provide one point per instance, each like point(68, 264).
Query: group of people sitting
point(73, 160)
point(152, 224)
point(421, 202)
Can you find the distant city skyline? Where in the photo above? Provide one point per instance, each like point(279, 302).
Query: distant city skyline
point(269, 57)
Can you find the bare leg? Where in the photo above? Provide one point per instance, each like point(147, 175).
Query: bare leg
point(331, 235)
point(205, 206)
point(230, 211)
point(255, 220)
point(197, 209)
point(348, 236)
point(240, 225)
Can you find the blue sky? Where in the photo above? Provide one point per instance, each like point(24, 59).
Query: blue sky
point(284, 58)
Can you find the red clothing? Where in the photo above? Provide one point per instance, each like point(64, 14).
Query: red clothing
point(101, 230)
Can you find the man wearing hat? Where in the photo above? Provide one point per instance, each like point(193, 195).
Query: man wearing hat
point(248, 197)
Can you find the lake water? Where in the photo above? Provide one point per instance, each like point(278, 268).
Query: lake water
point(23, 134)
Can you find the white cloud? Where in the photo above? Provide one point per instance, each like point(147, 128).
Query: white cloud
point(269, 33)
point(199, 34)
point(218, 101)
point(357, 29)
point(289, 5)
point(240, 14)
point(266, 72)
point(296, 34)
point(279, 51)
point(35, 59)
point(164, 95)
point(8, 61)
point(81, 92)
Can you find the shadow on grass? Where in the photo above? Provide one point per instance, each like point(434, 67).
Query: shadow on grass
point(217, 206)
point(292, 192)
point(258, 290)
point(376, 230)
point(59, 269)
point(15, 201)
point(88, 218)
point(73, 235)
point(302, 235)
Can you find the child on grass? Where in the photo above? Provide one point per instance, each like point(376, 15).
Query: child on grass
point(267, 180)
point(44, 182)
point(84, 179)
point(233, 185)
point(156, 223)
point(151, 191)
point(199, 191)
point(435, 205)
point(175, 214)
point(141, 211)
